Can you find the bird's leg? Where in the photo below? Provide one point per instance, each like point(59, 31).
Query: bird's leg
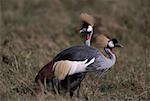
point(59, 86)
point(50, 85)
point(71, 93)
point(78, 90)
point(53, 86)
point(68, 83)
point(56, 86)
point(45, 86)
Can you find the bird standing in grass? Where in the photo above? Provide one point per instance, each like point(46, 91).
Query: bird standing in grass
point(74, 80)
point(79, 59)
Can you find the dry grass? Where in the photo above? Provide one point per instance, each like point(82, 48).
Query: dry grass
point(33, 31)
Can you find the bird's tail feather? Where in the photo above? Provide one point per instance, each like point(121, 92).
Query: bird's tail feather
point(45, 73)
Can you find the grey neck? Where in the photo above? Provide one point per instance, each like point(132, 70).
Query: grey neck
point(110, 61)
point(110, 53)
point(88, 42)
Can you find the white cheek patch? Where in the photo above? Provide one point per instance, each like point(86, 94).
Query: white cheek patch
point(90, 28)
point(111, 44)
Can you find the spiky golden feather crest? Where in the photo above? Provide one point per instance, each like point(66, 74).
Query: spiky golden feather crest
point(87, 18)
point(101, 41)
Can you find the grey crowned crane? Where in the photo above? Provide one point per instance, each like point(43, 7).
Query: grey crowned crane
point(75, 79)
point(79, 59)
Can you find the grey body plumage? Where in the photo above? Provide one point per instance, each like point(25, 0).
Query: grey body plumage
point(81, 53)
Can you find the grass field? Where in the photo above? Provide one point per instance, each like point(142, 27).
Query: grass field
point(32, 32)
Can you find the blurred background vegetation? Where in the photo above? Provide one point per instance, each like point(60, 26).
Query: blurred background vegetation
point(34, 31)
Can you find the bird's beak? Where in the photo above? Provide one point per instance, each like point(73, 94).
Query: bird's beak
point(119, 45)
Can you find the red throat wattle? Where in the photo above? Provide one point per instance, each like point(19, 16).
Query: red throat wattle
point(111, 50)
point(87, 37)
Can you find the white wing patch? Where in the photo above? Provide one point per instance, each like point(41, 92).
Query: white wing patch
point(80, 66)
point(66, 67)
point(90, 62)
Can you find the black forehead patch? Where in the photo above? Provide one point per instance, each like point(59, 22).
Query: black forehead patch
point(85, 25)
point(114, 40)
